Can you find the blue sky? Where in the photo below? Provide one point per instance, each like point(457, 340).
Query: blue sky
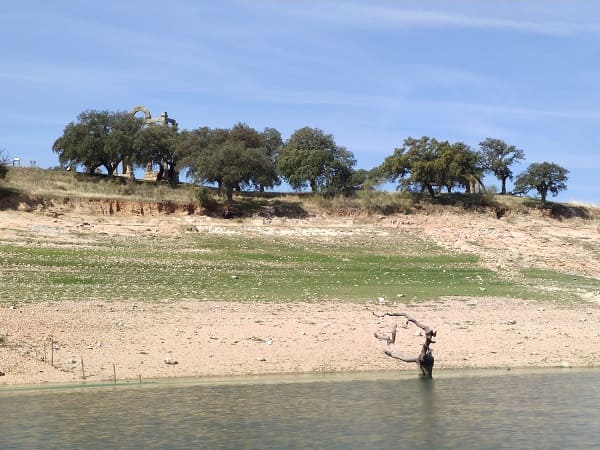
point(369, 72)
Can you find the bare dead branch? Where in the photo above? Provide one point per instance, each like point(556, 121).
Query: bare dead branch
point(425, 358)
point(394, 353)
point(389, 339)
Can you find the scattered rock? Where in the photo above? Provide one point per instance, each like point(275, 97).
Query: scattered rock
point(171, 361)
point(2, 373)
point(509, 322)
point(261, 359)
point(565, 364)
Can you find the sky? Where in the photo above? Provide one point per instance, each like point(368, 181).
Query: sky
point(371, 73)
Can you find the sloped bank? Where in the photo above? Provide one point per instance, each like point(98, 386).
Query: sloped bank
point(94, 206)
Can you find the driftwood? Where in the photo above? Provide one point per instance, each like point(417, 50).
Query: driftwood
point(425, 358)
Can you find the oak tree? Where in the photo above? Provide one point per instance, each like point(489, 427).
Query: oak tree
point(98, 139)
point(428, 165)
point(498, 157)
point(311, 158)
point(544, 177)
point(159, 144)
point(234, 159)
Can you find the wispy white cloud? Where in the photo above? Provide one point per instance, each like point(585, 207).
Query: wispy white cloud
point(342, 98)
point(537, 18)
point(426, 18)
point(509, 110)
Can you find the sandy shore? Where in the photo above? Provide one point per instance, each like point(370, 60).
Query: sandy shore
point(190, 338)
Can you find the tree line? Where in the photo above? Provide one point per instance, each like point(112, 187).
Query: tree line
point(243, 158)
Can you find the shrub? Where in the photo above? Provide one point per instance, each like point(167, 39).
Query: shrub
point(206, 198)
point(386, 202)
point(3, 163)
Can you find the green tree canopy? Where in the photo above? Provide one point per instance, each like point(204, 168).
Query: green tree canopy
point(497, 157)
point(427, 164)
point(272, 144)
point(458, 166)
point(159, 144)
point(233, 158)
point(98, 139)
point(311, 158)
point(543, 177)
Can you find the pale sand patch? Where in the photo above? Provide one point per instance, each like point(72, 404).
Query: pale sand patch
point(232, 338)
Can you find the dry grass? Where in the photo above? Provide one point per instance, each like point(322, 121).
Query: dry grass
point(58, 183)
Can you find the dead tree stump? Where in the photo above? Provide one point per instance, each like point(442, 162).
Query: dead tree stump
point(425, 358)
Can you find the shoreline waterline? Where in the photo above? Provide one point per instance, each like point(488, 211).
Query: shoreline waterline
point(300, 378)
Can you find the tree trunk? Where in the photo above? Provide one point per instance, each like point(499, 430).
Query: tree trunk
point(160, 174)
point(479, 187)
point(425, 358)
point(431, 191)
point(503, 192)
point(171, 175)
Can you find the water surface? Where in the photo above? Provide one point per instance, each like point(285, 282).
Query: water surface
point(546, 410)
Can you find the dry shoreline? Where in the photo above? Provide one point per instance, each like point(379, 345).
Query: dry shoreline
point(198, 339)
point(191, 338)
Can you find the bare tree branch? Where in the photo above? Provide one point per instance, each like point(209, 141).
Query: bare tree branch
point(394, 353)
point(390, 339)
point(425, 358)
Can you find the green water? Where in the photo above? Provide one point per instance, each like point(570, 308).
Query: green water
point(548, 410)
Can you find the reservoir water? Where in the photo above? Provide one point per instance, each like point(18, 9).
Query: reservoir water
point(539, 410)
